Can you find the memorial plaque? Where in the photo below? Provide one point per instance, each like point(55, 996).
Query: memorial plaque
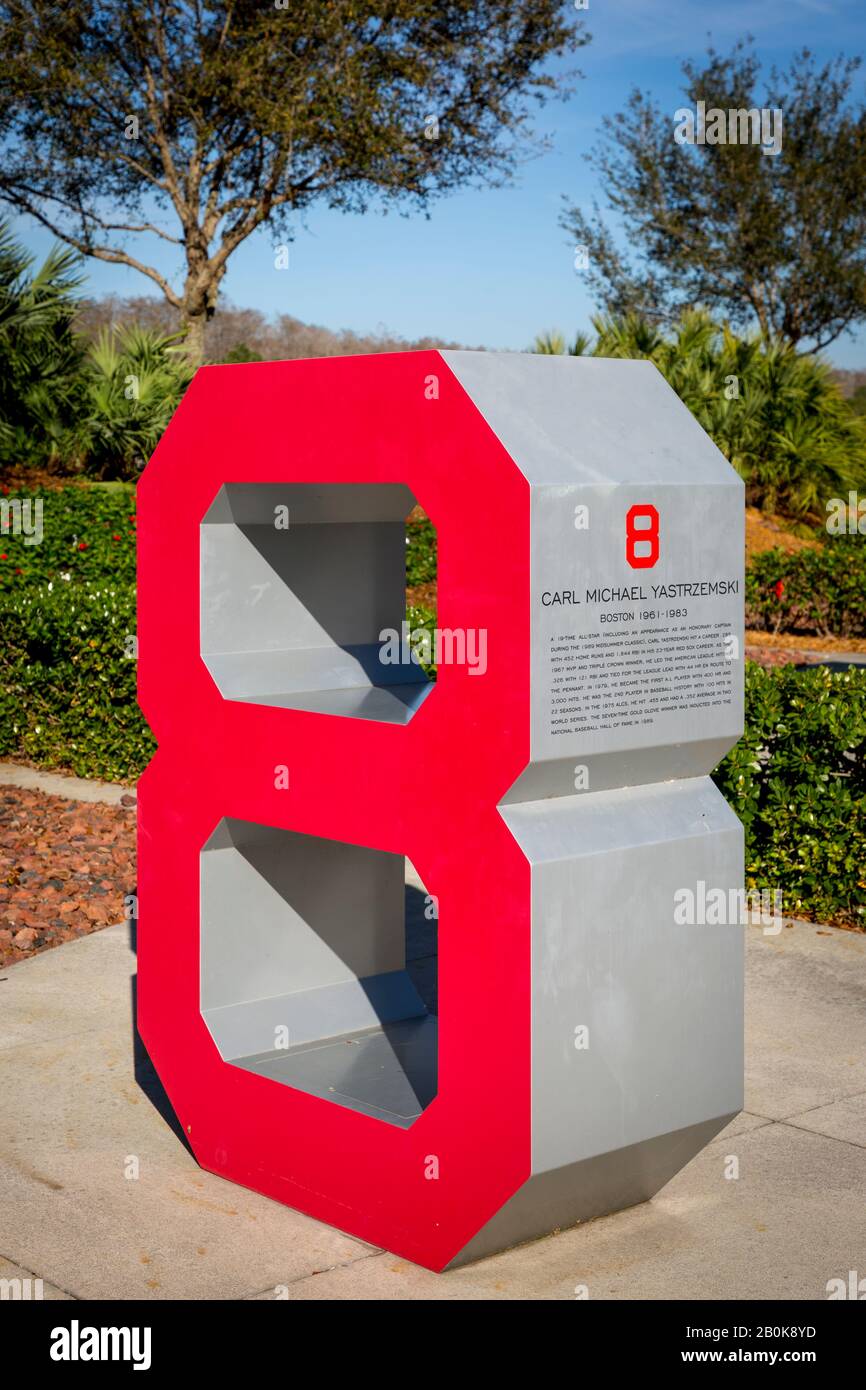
point(542, 805)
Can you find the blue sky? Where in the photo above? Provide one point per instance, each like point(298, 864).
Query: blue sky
point(492, 267)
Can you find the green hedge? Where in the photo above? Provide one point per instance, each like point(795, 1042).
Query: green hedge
point(813, 591)
point(87, 533)
point(67, 689)
point(420, 552)
point(422, 619)
point(797, 780)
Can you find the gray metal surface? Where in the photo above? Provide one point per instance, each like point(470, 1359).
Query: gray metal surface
point(604, 435)
point(563, 1197)
point(588, 421)
point(662, 1002)
point(291, 615)
point(387, 1072)
point(303, 967)
point(680, 662)
point(636, 693)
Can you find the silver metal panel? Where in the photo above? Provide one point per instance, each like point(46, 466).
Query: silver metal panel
point(630, 767)
point(292, 615)
point(268, 590)
point(388, 1073)
point(650, 686)
point(563, 1197)
point(303, 967)
point(636, 678)
point(613, 675)
point(311, 1016)
point(255, 504)
point(387, 704)
point(283, 912)
point(662, 1002)
point(588, 420)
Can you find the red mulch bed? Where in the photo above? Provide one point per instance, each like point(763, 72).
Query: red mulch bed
point(783, 656)
point(771, 656)
point(65, 868)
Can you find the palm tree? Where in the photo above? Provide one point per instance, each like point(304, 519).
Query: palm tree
point(133, 379)
point(40, 355)
point(554, 343)
point(778, 417)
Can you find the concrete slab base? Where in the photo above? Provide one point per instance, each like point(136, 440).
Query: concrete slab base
point(100, 1198)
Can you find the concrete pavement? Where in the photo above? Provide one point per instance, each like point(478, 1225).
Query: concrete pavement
point(82, 1112)
point(62, 784)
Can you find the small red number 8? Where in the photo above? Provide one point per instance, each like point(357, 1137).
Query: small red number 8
point(635, 535)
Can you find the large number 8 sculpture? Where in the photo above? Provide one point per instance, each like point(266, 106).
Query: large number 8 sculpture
point(553, 798)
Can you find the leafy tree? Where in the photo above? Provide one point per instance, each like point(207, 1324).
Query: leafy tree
point(776, 415)
point(198, 121)
point(777, 240)
point(242, 352)
point(553, 342)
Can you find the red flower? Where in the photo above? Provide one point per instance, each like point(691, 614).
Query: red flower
point(4, 557)
point(115, 538)
point(82, 545)
point(19, 571)
point(780, 588)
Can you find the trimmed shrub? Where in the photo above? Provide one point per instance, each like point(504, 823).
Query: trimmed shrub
point(67, 687)
point(421, 619)
point(87, 533)
point(819, 591)
point(420, 552)
point(797, 780)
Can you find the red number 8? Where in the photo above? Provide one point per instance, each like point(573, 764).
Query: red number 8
point(634, 534)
